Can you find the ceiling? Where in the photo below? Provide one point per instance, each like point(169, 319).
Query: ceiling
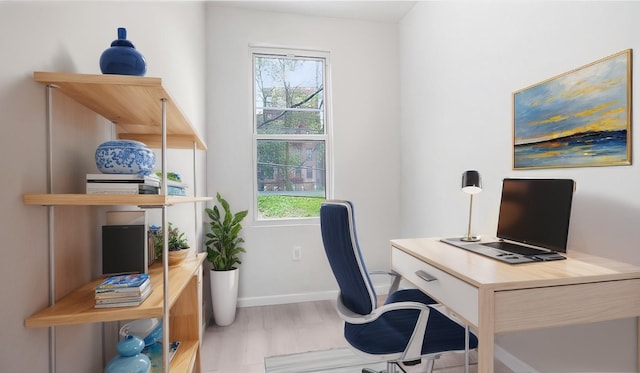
point(379, 11)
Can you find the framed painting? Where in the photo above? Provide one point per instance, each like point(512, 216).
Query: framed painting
point(581, 118)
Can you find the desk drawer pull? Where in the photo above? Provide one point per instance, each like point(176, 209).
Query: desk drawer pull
point(425, 276)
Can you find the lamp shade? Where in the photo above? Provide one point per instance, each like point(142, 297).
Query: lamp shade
point(471, 183)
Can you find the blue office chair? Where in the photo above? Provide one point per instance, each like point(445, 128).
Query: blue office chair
point(407, 328)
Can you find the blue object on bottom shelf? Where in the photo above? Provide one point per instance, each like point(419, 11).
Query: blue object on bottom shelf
point(130, 360)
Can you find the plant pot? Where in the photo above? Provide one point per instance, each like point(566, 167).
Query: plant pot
point(224, 295)
point(176, 257)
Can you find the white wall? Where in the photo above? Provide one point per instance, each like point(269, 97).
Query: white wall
point(460, 63)
point(364, 72)
point(70, 36)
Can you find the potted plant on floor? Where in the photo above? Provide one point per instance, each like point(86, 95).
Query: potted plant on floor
point(223, 250)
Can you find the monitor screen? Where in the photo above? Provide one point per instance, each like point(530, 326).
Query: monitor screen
point(536, 212)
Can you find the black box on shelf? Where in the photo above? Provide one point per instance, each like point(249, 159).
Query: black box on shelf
point(124, 249)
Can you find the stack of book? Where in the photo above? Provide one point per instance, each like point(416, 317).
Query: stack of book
point(123, 291)
point(176, 188)
point(122, 184)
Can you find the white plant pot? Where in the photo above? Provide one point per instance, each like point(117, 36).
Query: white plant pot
point(224, 295)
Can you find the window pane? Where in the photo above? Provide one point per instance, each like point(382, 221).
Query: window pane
point(291, 178)
point(289, 95)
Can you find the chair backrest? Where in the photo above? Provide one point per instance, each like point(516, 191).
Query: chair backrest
point(341, 246)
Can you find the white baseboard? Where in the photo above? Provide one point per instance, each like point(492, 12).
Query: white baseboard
point(286, 298)
point(298, 297)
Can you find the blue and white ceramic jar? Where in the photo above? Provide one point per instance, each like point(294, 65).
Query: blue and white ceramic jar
point(125, 157)
point(122, 57)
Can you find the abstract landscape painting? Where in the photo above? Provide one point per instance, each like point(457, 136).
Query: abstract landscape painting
point(578, 119)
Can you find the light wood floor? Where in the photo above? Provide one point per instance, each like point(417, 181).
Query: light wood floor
point(259, 332)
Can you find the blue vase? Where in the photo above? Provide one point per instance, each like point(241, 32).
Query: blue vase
point(122, 57)
point(130, 359)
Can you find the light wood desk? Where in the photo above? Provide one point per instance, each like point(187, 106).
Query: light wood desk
point(494, 297)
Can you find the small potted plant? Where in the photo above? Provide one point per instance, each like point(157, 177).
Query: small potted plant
point(178, 244)
point(223, 250)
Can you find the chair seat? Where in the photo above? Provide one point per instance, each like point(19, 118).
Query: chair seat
point(390, 333)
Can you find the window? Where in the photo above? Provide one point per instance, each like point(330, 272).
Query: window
point(290, 133)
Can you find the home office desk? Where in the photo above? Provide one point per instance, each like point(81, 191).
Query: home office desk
point(495, 297)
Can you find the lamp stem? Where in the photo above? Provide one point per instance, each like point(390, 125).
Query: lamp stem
point(470, 238)
point(470, 211)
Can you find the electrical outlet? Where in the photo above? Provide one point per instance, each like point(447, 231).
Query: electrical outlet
point(297, 253)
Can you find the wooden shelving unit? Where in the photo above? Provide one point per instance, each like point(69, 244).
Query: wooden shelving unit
point(141, 109)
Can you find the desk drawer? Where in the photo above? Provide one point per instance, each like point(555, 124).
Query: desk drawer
point(455, 294)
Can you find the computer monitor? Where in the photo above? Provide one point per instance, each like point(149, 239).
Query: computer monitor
point(536, 212)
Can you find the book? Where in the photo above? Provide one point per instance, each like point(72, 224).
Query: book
point(122, 292)
point(124, 298)
point(178, 184)
point(129, 303)
point(121, 188)
point(154, 183)
point(123, 281)
point(154, 353)
point(176, 191)
point(133, 178)
point(113, 305)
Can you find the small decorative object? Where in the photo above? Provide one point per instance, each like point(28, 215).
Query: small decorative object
point(122, 57)
point(175, 186)
point(577, 119)
point(178, 244)
point(130, 359)
point(125, 157)
point(173, 176)
point(223, 249)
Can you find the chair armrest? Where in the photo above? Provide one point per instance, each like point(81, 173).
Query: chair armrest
point(356, 318)
point(414, 348)
point(396, 278)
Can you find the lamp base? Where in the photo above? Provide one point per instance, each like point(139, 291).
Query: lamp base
point(470, 239)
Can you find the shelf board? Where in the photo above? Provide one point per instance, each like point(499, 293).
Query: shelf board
point(78, 307)
point(132, 103)
point(108, 199)
point(185, 357)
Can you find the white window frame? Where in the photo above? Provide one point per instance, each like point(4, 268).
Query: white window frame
point(326, 137)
